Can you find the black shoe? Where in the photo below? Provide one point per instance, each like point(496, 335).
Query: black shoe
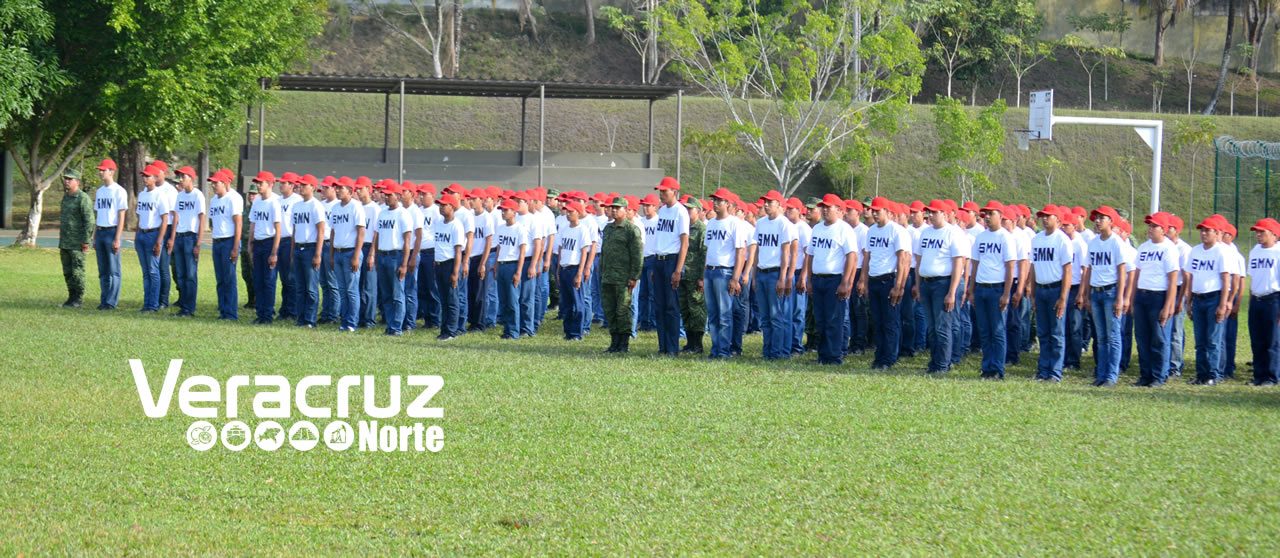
point(1107, 384)
point(249, 304)
point(624, 344)
point(1267, 383)
point(614, 341)
point(1142, 383)
point(1097, 383)
point(324, 321)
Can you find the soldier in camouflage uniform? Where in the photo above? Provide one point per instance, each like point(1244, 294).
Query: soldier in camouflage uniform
point(74, 234)
point(246, 264)
point(622, 253)
point(693, 306)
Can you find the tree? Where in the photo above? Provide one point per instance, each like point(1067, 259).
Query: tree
point(1226, 59)
point(524, 12)
point(1021, 44)
point(1049, 165)
point(708, 146)
point(964, 35)
point(1189, 64)
point(1159, 80)
point(1129, 164)
point(154, 71)
point(1166, 15)
point(430, 18)
point(590, 12)
point(1109, 30)
point(1089, 56)
point(970, 147)
point(1193, 135)
point(784, 75)
point(1241, 74)
point(642, 29)
point(1257, 14)
point(24, 26)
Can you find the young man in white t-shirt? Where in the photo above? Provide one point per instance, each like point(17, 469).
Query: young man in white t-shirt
point(110, 203)
point(1105, 276)
point(1231, 326)
point(1154, 295)
point(310, 226)
point(940, 261)
point(511, 239)
point(726, 259)
point(393, 238)
point(990, 288)
point(775, 254)
point(153, 212)
point(671, 245)
point(368, 269)
point(1264, 303)
point(348, 223)
point(830, 271)
point(190, 209)
point(451, 243)
point(886, 258)
point(226, 212)
point(573, 249)
point(1207, 290)
point(265, 231)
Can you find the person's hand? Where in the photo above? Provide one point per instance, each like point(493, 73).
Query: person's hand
point(115, 246)
point(155, 250)
point(85, 248)
point(355, 264)
point(168, 246)
point(1004, 302)
point(1165, 314)
point(1060, 308)
point(1016, 300)
point(915, 292)
point(862, 289)
point(675, 278)
point(1080, 302)
point(803, 286)
point(631, 284)
point(532, 272)
point(453, 279)
point(482, 270)
point(700, 285)
point(235, 253)
point(1221, 313)
point(315, 262)
point(577, 281)
point(844, 290)
point(271, 261)
point(195, 250)
point(949, 301)
point(515, 279)
point(781, 286)
point(400, 271)
point(1118, 310)
point(368, 266)
point(895, 295)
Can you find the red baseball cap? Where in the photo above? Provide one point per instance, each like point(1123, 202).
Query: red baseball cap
point(455, 188)
point(1159, 219)
point(265, 176)
point(574, 206)
point(854, 205)
point(513, 205)
point(309, 180)
point(795, 203)
point(363, 182)
point(346, 182)
point(1126, 226)
point(222, 175)
point(329, 180)
point(722, 194)
point(936, 206)
point(1050, 210)
point(992, 205)
point(187, 170)
point(427, 188)
point(1267, 224)
point(881, 202)
point(1214, 222)
point(917, 205)
point(1104, 210)
point(289, 177)
point(151, 170)
point(832, 200)
point(973, 206)
point(107, 164)
point(449, 200)
point(667, 183)
point(773, 195)
point(493, 191)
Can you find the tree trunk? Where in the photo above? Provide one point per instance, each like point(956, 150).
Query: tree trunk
point(27, 237)
point(1226, 59)
point(456, 37)
point(591, 21)
point(1018, 81)
point(131, 159)
point(1160, 29)
point(450, 55)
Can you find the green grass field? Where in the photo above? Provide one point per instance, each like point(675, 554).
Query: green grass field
point(551, 448)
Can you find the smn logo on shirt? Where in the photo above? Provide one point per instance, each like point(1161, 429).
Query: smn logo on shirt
point(302, 218)
point(146, 206)
point(821, 243)
point(504, 240)
point(386, 224)
point(104, 203)
point(340, 219)
point(930, 243)
point(1151, 257)
point(1099, 258)
point(568, 244)
point(1262, 263)
point(666, 225)
point(989, 248)
point(444, 238)
point(185, 205)
point(1202, 265)
point(717, 234)
point(878, 242)
point(767, 240)
point(218, 211)
point(261, 216)
point(1042, 254)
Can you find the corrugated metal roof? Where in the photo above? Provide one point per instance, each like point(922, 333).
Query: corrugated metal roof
point(471, 87)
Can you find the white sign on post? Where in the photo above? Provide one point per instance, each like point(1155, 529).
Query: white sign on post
point(1040, 117)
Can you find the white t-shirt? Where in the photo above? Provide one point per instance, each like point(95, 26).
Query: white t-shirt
point(109, 201)
point(328, 206)
point(286, 219)
point(511, 241)
point(449, 236)
point(938, 248)
point(1154, 262)
point(307, 216)
point(1049, 252)
point(392, 224)
point(804, 232)
point(1235, 264)
point(1206, 267)
point(673, 221)
point(883, 245)
point(570, 244)
point(1184, 250)
point(484, 229)
point(344, 219)
point(264, 214)
point(830, 246)
point(415, 216)
point(170, 193)
point(723, 239)
point(190, 206)
point(152, 209)
point(915, 241)
point(1021, 250)
point(772, 235)
point(371, 211)
point(546, 223)
point(1105, 258)
point(222, 212)
point(992, 249)
point(429, 216)
point(1264, 270)
point(1079, 255)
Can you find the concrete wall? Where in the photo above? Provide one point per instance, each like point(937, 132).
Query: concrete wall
point(1207, 27)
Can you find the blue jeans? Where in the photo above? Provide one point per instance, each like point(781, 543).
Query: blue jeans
point(1209, 336)
point(306, 280)
point(1107, 330)
point(264, 280)
point(508, 299)
point(224, 274)
point(799, 306)
point(543, 292)
point(921, 327)
point(991, 328)
point(288, 287)
point(961, 328)
point(108, 267)
point(410, 321)
point(491, 289)
point(1178, 340)
point(477, 295)
point(1126, 340)
point(715, 289)
point(185, 260)
point(464, 295)
point(328, 286)
point(907, 319)
point(573, 301)
point(1052, 332)
point(391, 289)
point(939, 323)
point(368, 288)
point(166, 271)
point(859, 324)
point(828, 314)
point(741, 315)
point(647, 321)
point(348, 288)
point(1075, 331)
point(1013, 326)
point(528, 299)
point(428, 291)
point(888, 333)
point(1153, 338)
point(666, 306)
point(635, 310)
point(448, 299)
point(145, 243)
point(1265, 337)
point(775, 316)
point(597, 303)
point(1230, 332)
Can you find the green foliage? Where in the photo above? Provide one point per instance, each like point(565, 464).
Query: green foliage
point(1193, 133)
point(25, 28)
point(969, 146)
point(822, 72)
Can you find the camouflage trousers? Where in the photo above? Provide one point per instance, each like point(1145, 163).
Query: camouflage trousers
point(693, 306)
point(616, 299)
point(73, 272)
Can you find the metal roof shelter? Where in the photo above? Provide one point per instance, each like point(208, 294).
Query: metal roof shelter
point(467, 87)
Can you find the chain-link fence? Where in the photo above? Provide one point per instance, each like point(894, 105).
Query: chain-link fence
point(1242, 189)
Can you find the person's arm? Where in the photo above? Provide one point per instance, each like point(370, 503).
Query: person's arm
point(1061, 308)
point(971, 281)
point(275, 246)
point(115, 246)
point(484, 256)
point(404, 255)
point(355, 253)
point(164, 227)
point(1170, 297)
point(1083, 296)
point(739, 265)
point(915, 289)
point(520, 251)
point(546, 254)
point(173, 229)
point(784, 261)
point(86, 216)
point(636, 257)
point(900, 280)
point(537, 258)
point(684, 251)
point(1224, 298)
point(1122, 283)
point(466, 251)
point(864, 277)
point(806, 276)
point(850, 276)
point(957, 274)
point(373, 249)
point(458, 255)
point(416, 238)
point(200, 220)
point(585, 251)
point(237, 221)
point(321, 229)
point(1008, 284)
